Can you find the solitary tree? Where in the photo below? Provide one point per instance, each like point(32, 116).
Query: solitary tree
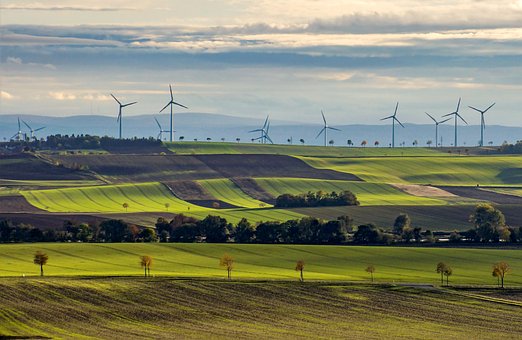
point(349, 142)
point(501, 269)
point(488, 221)
point(146, 263)
point(376, 144)
point(125, 206)
point(167, 206)
point(331, 142)
point(40, 258)
point(238, 139)
point(496, 273)
point(363, 143)
point(441, 267)
point(302, 141)
point(300, 267)
point(227, 261)
point(448, 272)
point(181, 137)
point(402, 222)
point(370, 269)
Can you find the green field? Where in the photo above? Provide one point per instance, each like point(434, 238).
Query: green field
point(470, 266)
point(202, 148)
point(225, 190)
point(128, 308)
point(368, 194)
point(143, 197)
point(492, 170)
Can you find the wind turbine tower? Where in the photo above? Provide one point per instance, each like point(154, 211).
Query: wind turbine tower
point(121, 107)
point(325, 129)
point(394, 119)
point(437, 123)
point(170, 103)
point(482, 121)
point(457, 115)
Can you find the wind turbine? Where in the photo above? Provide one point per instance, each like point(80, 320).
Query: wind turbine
point(325, 129)
point(160, 134)
point(32, 131)
point(18, 135)
point(172, 102)
point(119, 112)
point(437, 123)
point(394, 119)
point(264, 132)
point(457, 115)
point(482, 121)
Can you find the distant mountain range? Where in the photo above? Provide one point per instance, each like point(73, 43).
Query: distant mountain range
point(215, 126)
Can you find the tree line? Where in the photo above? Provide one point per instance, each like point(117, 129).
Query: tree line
point(316, 199)
point(489, 226)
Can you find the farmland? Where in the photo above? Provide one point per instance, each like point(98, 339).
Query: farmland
point(493, 170)
point(164, 308)
point(367, 193)
point(414, 265)
point(202, 148)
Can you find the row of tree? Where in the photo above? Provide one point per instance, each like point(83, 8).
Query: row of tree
point(489, 226)
point(316, 199)
point(500, 269)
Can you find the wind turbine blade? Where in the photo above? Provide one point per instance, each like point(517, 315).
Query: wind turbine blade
point(324, 119)
point(489, 108)
point(396, 108)
point(165, 107)
point(158, 123)
point(332, 128)
point(444, 121)
point(257, 130)
point(19, 127)
point(43, 127)
point(266, 122)
point(23, 121)
point(129, 104)
point(171, 95)
point(431, 117)
point(269, 139)
point(483, 121)
point(173, 102)
point(458, 105)
point(449, 114)
point(320, 132)
point(267, 128)
point(474, 108)
point(462, 119)
point(115, 99)
point(387, 118)
point(398, 121)
point(119, 117)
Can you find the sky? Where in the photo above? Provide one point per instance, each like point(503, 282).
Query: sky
point(287, 58)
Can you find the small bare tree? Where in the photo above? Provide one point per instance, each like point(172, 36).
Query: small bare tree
point(300, 268)
point(227, 261)
point(448, 272)
point(370, 269)
point(501, 269)
point(40, 258)
point(146, 263)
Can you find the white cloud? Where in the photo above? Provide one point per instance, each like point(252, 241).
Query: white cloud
point(19, 61)
point(62, 96)
point(6, 95)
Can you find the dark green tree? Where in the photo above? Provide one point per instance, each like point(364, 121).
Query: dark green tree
point(401, 222)
point(488, 221)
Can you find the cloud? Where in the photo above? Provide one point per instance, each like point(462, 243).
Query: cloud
point(6, 95)
point(62, 96)
point(19, 61)
point(42, 7)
